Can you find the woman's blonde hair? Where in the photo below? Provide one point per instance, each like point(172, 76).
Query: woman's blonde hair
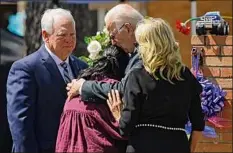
point(158, 49)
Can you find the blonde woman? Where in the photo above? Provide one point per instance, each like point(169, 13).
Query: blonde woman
point(160, 97)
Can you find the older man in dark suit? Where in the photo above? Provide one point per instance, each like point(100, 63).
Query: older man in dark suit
point(36, 85)
point(121, 22)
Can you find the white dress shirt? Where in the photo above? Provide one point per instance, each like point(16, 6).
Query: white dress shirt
point(58, 62)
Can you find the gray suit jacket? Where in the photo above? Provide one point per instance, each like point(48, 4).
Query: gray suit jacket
point(93, 91)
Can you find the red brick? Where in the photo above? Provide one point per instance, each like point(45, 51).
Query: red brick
point(227, 113)
point(211, 147)
point(224, 83)
point(225, 137)
point(218, 40)
point(212, 50)
point(198, 40)
point(219, 114)
point(211, 71)
point(220, 130)
point(218, 61)
point(208, 123)
point(218, 67)
point(208, 139)
point(229, 40)
point(226, 50)
point(228, 102)
point(226, 72)
point(227, 106)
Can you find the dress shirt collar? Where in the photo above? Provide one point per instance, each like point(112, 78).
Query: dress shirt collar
point(131, 55)
point(57, 60)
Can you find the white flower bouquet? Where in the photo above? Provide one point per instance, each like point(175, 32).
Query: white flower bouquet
point(96, 45)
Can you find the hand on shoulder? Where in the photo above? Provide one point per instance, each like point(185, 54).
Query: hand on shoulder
point(74, 88)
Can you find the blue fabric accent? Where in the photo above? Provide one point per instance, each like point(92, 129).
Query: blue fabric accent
point(208, 131)
point(212, 97)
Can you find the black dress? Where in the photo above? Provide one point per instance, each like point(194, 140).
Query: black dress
point(150, 102)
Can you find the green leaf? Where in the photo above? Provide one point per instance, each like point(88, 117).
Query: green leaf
point(87, 60)
point(90, 63)
point(84, 58)
point(87, 40)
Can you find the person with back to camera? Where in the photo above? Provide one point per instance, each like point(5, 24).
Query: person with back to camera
point(90, 127)
point(160, 97)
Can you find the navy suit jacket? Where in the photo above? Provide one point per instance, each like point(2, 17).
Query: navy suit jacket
point(35, 98)
point(97, 92)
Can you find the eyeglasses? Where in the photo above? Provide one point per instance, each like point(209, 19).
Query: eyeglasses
point(115, 32)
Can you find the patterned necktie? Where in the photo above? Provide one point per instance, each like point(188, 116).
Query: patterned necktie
point(65, 72)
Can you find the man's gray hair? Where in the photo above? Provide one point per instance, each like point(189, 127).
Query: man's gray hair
point(50, 16)
point(123, 13)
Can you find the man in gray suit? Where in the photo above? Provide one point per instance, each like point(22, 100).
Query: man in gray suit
point(121, 23)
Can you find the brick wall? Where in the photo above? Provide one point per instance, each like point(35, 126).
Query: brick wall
point(217, 66)
point(159, 9)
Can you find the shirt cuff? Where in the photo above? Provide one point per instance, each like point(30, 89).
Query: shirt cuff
point(80, 89)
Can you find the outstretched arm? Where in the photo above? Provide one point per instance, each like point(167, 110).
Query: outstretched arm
point(98, 91)
point(93, 91)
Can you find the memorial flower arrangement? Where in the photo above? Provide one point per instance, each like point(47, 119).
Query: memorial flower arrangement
point(95, 45)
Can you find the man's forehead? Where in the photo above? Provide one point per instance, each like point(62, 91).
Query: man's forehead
point(111, 26)
point(63, 27)
point(61, 31)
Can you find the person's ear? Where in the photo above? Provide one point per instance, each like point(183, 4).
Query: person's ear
point(45, 36)
point(129, 28)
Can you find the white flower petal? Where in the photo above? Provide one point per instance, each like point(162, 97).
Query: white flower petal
point(93, 56)
point(94, 47)
point(97, 33)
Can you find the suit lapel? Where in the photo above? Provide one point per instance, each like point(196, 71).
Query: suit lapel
point(51, 66)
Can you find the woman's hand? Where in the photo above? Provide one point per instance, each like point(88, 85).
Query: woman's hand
point(115, 104)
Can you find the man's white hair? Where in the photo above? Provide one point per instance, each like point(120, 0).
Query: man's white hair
point(51, 16)
point(123, 13)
